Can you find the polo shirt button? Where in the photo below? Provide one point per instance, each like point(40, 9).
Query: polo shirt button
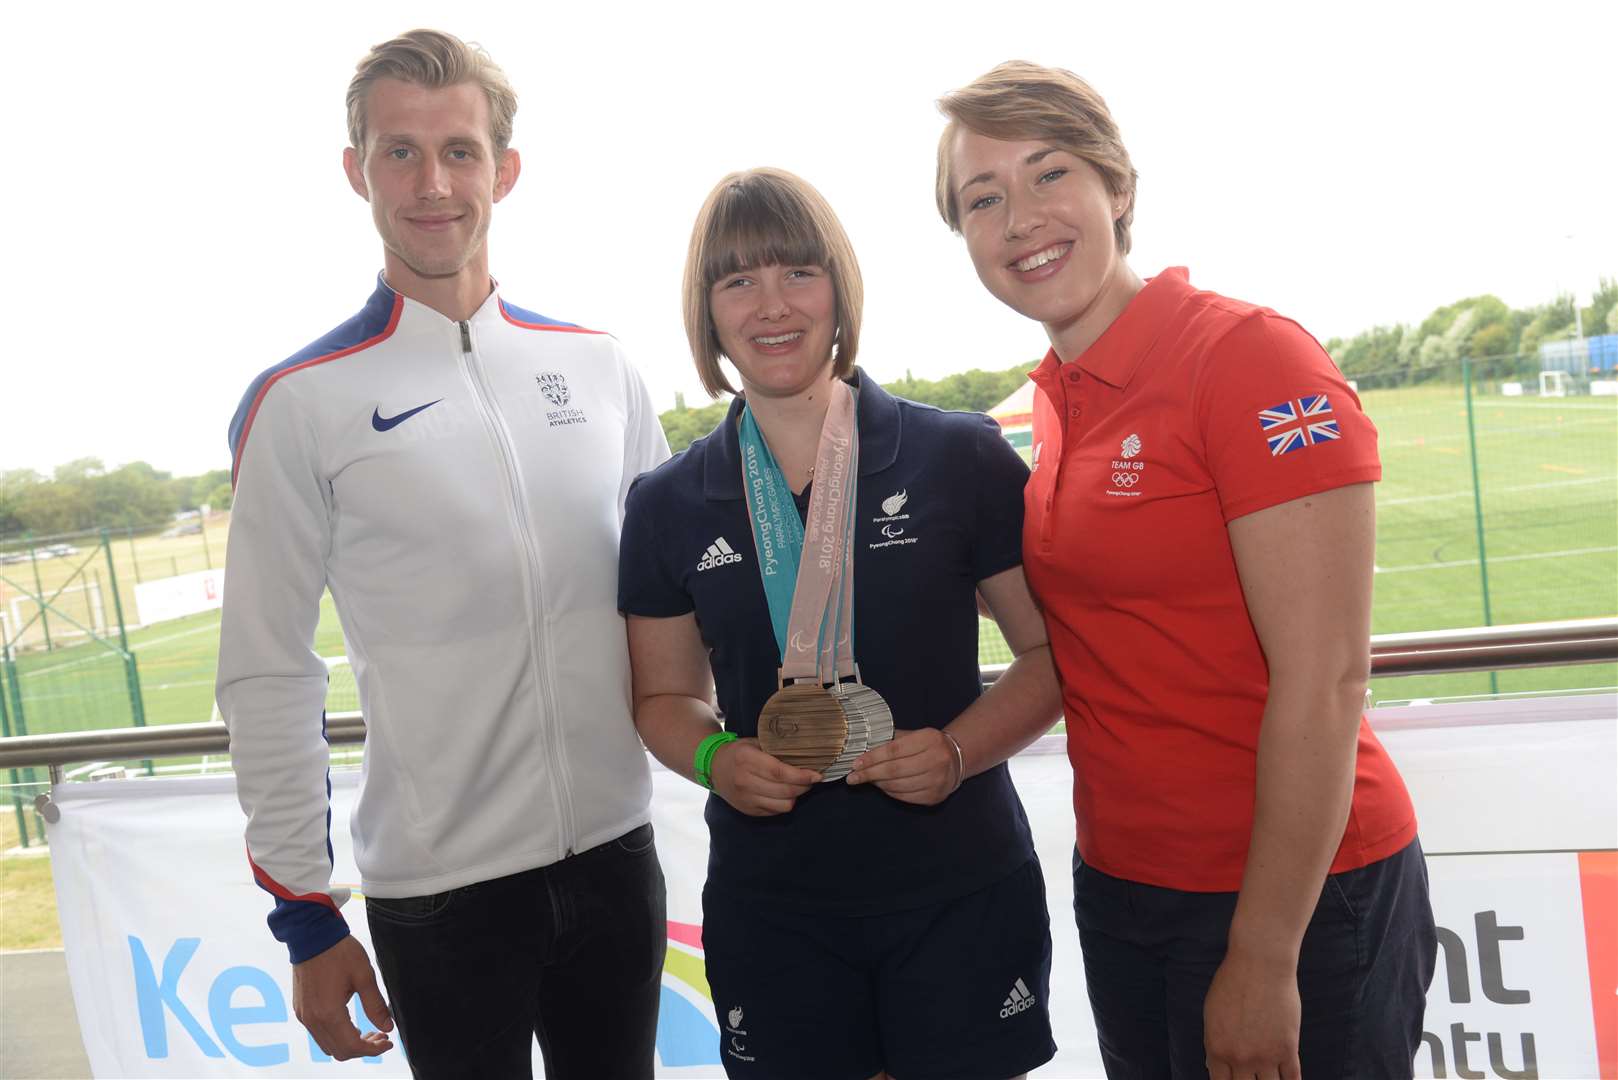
point(1073, 376)
point(1074, 413)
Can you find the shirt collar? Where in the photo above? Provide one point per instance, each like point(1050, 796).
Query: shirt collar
point(1118, 352)
point(487, 311)
point(878, 417)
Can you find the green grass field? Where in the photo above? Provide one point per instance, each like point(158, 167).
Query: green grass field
point(1548, 475)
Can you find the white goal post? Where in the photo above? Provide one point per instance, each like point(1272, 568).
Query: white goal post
point(81, 603)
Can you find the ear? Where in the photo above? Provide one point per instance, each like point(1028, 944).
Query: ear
point(355, 170)
point(505, 176)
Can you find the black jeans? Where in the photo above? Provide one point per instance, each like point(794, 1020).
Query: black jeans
point(1363, 971)
point(571, 953)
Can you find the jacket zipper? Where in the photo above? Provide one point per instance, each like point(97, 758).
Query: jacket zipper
point(561, 794)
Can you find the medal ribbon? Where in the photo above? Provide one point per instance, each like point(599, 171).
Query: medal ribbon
point(813, 617)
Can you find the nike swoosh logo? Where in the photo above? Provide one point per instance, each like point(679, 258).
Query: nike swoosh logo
point(388, 423)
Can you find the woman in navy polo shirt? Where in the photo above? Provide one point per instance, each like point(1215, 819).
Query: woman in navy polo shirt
point(1250, 895)
point(893, 923)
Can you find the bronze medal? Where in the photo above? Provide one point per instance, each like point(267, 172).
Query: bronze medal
point(803, 725)
point(824, 728)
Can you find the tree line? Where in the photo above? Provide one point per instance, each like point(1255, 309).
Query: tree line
point(85, 494)
point(1500, 340)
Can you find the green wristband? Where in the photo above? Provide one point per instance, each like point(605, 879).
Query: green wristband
point(706, 749)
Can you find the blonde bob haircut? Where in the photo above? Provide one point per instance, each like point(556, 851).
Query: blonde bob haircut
point(1019, 101)
point(767, 217)
point(433, 59)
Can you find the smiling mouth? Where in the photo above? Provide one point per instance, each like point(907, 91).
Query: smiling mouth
point(779, 339)
point(1040, 258)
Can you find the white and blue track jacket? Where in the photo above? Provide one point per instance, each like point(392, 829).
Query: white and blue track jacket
point(459, 487)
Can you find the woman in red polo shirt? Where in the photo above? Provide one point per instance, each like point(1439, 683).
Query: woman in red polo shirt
point(1199, 530)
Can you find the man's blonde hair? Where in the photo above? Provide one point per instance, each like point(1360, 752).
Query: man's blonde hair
point(767, 217)
point(433, 59)
point(1019, 101)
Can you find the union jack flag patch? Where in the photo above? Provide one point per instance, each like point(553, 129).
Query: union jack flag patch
point(1292, 425)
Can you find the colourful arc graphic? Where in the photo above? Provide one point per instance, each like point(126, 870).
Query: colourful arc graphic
point(686, 1034)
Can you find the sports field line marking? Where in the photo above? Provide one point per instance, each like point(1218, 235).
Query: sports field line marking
point(1410, 500)
point(1547, 406)
point(65, 664)
point(182, 634)
point(1486, 432)
point(1495, 559)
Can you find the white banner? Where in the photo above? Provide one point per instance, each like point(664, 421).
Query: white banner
point(173, 597)
point(175, 974)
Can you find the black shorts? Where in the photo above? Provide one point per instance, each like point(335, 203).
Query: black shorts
point(958, 990)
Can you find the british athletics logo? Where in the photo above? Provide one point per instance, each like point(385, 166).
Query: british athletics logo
point(1292, 425)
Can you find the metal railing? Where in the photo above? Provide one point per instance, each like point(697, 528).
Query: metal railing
point(1579, 641)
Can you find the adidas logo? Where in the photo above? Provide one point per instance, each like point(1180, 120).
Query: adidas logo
point(1021, 998)
point(718, 554)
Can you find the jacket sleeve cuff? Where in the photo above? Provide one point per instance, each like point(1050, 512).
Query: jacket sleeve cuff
point(306, 928)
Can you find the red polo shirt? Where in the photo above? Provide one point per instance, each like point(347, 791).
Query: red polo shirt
point(1190, 411)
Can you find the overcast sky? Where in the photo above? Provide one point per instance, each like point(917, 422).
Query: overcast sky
point(179, 219)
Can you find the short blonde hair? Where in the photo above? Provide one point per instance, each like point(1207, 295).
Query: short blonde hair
point(767, 217)
point(433, 59)
point(1018, 100)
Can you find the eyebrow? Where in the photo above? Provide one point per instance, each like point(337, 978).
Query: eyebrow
point(1032, 159)
point(410, 140)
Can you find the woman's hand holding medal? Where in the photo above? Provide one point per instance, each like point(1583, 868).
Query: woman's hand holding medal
point(923, 767)
point(755, 783)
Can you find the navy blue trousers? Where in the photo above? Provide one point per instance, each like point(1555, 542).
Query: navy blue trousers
point(1363, 971)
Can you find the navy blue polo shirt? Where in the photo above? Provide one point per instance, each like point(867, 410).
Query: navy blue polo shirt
point(939, 508)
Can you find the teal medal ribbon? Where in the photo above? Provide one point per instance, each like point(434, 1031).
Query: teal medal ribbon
point(777, 530)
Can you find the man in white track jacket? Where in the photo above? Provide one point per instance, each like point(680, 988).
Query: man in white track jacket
point(453, 468)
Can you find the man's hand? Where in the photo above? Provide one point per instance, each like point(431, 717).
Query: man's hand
point(757, 783)
point(1250, 1020)
point(321, 987)
point(918, 767)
